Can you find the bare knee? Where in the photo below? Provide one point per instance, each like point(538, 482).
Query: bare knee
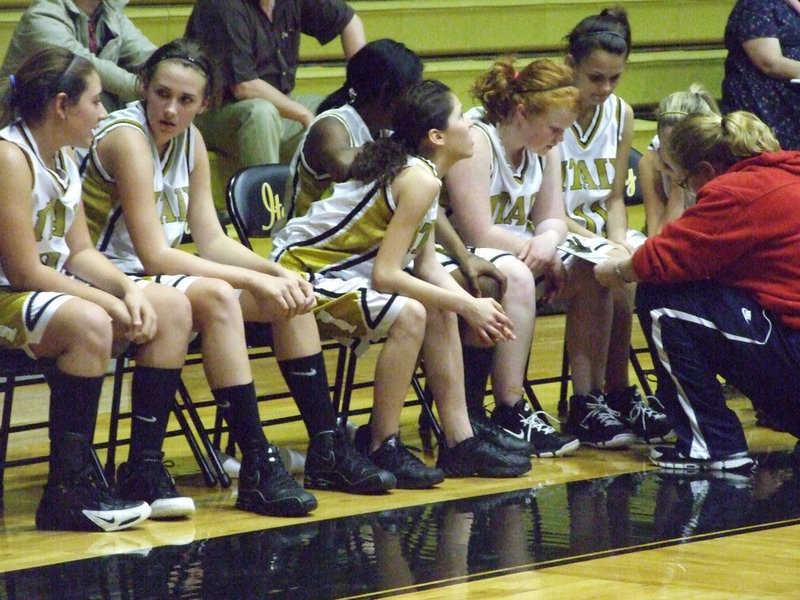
point(520, 284)
point(581, 281)
point(79, 327)
point(173, 310)
point(410, 323)
point(213, 300)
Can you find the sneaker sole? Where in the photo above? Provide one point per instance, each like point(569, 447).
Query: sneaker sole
point(376, 484)
point(170, 508)
point(295, 506)
point(493, 473)
point(667, 437)
point(621, 440)
point(567, 448)
point(98, 520)
point(418, 484)
point(729, 464)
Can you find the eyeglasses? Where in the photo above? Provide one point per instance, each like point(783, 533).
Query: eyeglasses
point(684, 183)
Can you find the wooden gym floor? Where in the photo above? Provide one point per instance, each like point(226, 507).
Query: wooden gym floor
point(599, 524)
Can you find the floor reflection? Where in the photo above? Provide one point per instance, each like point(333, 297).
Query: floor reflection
point(434, 544)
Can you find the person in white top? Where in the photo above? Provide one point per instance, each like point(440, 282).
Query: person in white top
point(356, 114)
point(508, 195)
point(595, 155)
point(368, 250)
point(664, 200)
point(151, 150)
point(62, 300)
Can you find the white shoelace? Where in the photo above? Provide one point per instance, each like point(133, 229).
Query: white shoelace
point(602, 412)
point(536, 423)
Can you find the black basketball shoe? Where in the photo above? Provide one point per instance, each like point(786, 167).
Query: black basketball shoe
point(266, 488)
point(595, 424)
point(411, 473)
point(146, 478)
point(332, 463)
point(81, 501)
point(534, 430)
point(649, 425)
point(474, 456)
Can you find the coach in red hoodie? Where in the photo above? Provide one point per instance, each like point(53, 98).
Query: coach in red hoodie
point(720, 291)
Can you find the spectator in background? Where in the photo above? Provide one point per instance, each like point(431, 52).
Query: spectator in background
point(763, 41)
point(257, 43)
point(97, 30)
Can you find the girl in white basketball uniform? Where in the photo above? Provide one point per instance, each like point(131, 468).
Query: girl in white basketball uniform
point(146, 180)
point(368, 250)
point(84, 309)
point(664, 200)
point(508, 196)
point(350, 117)
point(594, 160)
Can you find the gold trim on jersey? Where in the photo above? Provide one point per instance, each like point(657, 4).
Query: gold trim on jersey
point(585, 139)
point(308, 255)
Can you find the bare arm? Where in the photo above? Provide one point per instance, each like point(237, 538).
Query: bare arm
point(125, 156)
point(767, 56)
point(617, 223)
point(471, 266)
point(547, 215)
point(25, 269)
point(353, 37)
point(659, 207)
point(328, 149)
point(414, 190)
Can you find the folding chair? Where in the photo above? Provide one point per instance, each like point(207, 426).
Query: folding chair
point(254, 205)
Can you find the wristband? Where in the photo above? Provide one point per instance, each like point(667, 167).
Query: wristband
point(618, 271)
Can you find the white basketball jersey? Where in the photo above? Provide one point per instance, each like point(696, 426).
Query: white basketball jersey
point(54, 200)
point(511, 193)
point(309, 185)
point(170, 183)
point(589, 162)
point(340, 235)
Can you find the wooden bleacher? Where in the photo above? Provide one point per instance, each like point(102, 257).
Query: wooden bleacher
point(676, 42)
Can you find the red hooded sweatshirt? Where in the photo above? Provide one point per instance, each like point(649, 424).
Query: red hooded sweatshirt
point(744, 232)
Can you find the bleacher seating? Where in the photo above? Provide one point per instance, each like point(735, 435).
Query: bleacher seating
point(675, 43)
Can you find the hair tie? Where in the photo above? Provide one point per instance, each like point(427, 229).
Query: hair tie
point(351, 95)
point(516, 75)
point(13, 81)
point(674, 113)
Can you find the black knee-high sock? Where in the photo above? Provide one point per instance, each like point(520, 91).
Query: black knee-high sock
point(239, 408)
point(73, 403)
point(477, 364)
point(152, 396)
point(308, 383)
point(73, 416)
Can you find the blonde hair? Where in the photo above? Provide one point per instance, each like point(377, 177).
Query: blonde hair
point(540, 86)
point(679, 105)
point(720, 140)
